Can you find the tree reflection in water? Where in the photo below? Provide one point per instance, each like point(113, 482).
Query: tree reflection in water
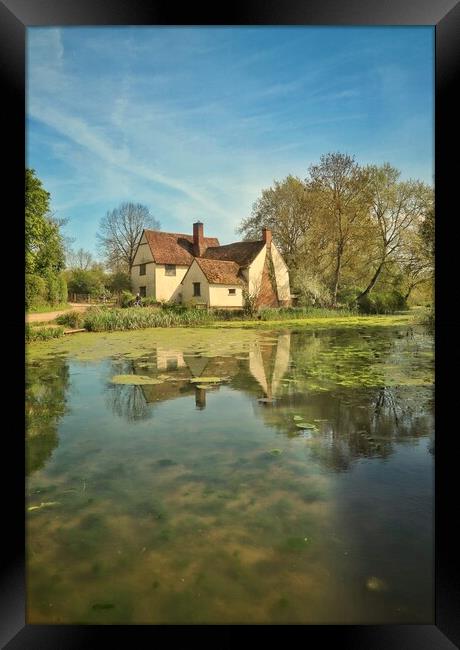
point(47, 384)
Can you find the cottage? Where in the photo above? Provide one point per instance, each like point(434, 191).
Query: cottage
point(194, 269)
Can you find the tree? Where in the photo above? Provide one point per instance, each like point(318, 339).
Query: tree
point(80, 259)
point(396, 209)
point(341, 187)
point(120, 231)
point(43, 238)
point(44, 246)
point(119, 282)
point(418, 260)
point(287, 210)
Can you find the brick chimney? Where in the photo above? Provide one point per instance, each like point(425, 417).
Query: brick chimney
point(267, 236)
point(199, 246)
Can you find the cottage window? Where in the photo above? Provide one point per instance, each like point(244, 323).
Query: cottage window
point(232, 292)
point(170, 269)
point(197, 289)
point(141, 269)
point(142, 292)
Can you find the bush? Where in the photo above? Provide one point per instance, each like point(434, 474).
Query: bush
point(175, 307)
point(348, 297)
point(229, 314)
point(119, 282)
point(311, 291)
point(36, 290)
point(73, 319)
point(127, 299)
point(43, 333)
point(149, 302)
point(382, 302)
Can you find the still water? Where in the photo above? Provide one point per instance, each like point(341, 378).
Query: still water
point(253, 477)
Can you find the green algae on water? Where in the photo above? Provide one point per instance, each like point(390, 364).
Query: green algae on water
point(136, 380)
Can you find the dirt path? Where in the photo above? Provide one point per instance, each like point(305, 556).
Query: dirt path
point(51, 315)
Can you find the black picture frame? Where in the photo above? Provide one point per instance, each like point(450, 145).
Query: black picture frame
point(444, 15)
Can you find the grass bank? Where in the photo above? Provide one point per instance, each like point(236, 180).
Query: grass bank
point(46, 307)
point(103, 319)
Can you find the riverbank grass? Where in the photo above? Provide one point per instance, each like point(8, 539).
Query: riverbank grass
point(104, 319)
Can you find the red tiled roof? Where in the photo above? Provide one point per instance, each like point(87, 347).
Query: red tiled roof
point(243, 252)
point(219, 272)
point(174, 248)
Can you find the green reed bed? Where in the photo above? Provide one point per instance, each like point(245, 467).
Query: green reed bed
point(110, 320)
point(43, 333)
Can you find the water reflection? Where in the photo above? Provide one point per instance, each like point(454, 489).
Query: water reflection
point(47, 384)
point(297, 488)
point(338, 381)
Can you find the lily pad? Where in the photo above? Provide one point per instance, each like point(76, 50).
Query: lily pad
point(206, 380)
point(275, 452)
point(136, 380)
point(298, 417)
point(306, 425)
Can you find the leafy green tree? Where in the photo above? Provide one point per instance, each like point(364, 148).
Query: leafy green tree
point(44, 244)
point(396, 210)
point(45, 248)
point(341, 186)
point(286, 209)
point(85, 282)
point(119, 282)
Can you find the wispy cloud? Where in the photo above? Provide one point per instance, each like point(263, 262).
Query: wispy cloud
point(194, 122)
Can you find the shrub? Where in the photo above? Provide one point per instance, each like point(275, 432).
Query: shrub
point(250, 301)
point(127, 299)
point(311, 291)
point(382, 302)
point(53, 288)
point(120, 281)
point(36, 290)
point(73, 319)
point(347, 296)
point(149, 302)
point(229, 314)
point(173, 307)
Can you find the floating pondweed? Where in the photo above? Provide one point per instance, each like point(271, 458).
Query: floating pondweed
point(136, 380)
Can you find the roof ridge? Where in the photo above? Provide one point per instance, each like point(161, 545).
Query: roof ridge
point(243, 241)
point(175, 234)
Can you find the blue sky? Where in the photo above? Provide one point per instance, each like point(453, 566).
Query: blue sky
point(195, 122)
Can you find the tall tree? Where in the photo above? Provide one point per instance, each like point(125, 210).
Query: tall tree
point(44, 241)
point(287, 209)
point(396, 210)
point(80, 259)
point(120, 231)
point(341, 186)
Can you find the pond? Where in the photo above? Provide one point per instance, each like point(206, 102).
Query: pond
point(226, 476)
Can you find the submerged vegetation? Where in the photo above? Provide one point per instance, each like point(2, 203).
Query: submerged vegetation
point(205, 504)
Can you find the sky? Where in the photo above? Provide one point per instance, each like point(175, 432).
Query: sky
point(194, 122)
